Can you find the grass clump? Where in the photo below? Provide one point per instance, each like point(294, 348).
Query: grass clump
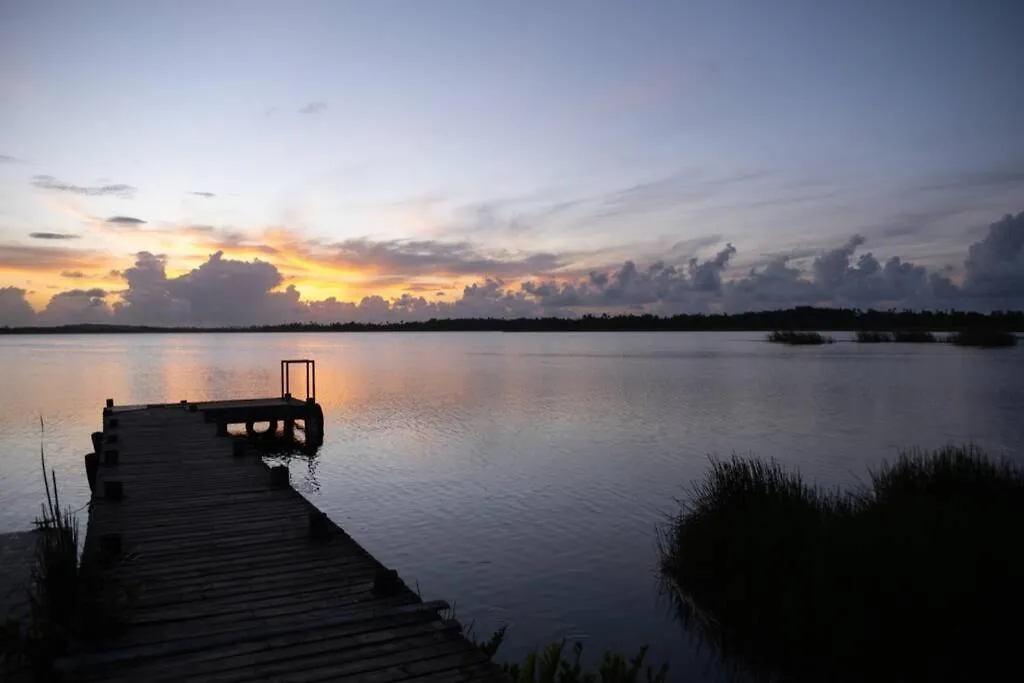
point(898, 336)
point(53, 592)
point(983, 338)
point(798, 338)
point(908, 578)
point(865, 337)
point(553, 664)
point(914, 337)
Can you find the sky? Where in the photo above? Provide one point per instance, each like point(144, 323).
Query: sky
point(237, 162)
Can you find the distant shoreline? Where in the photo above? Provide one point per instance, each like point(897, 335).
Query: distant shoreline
point(799, 319)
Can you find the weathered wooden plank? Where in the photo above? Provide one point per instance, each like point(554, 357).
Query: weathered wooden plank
point(308, 644)
point(197, 607)
point(402, 665)
point(168, 640)
point(342, 662)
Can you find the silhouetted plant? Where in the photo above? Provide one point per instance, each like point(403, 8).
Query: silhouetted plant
point(53, 587)
point(909, 578)
point(798, 338)
point(914, 337)
point(864, 337)
point(552, 664)
point(983, 337)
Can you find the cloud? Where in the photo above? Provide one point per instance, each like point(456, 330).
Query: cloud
point(205, 195)
point(433, 257)
point(1004, 176)
point(224, 291)
point(313, 108)
point(31, 258)
point(72, 274)
point(76, 306)
point(4, 159)
point(128, 221)
point(47, 182)
point(219, 292)
point(995, 265)
point(53, 236)
point(14, 308)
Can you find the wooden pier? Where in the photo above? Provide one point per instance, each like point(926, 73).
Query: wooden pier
point(203, 564)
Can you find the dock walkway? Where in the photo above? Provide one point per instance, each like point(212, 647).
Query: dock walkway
point(219, 571)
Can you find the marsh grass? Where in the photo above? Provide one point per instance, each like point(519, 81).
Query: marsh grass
point(914, 337)
point(798, 338)
point(909, 577)
point(53, 590)
point(868, 337)
point(983, 338)
point(898, 336)
point(554, 664)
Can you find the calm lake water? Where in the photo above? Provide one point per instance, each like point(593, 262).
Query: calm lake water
point(522, 475)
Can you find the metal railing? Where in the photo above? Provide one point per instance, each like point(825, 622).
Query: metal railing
point(286, 389)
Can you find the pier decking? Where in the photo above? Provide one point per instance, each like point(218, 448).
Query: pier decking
point(207, 566)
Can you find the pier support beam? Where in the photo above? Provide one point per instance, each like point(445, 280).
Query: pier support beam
point(92, 463)
point(279, 476)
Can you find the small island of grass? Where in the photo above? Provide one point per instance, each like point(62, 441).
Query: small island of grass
point(897, 336)
point(795, 338)
point(983, 338)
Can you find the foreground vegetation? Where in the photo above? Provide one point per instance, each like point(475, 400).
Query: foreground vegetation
point(798, 338)
point(553, 664)
point(910, 578)
point(32, 645)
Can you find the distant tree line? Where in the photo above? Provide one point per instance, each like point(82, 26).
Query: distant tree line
point(800, 318)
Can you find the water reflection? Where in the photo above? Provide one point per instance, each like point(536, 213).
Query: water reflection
point(293, 450)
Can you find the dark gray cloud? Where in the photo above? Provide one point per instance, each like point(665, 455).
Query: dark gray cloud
point(219, 292)
point(419, 257)
point(204, 195)
point(313, 108)
point(53, 236)
point(4, 159)
point(995, 265)
point(127, 221)
point(48, 182)
point(56, 258)
point(223, 291)
point(14, 308)
point(76, 306)
point(72, 274)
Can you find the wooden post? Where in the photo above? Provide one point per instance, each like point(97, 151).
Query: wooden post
point(279, 476)
point(110, 403)
point(113, 490)
point(92, 463)
point(319, 526)
point(97, 442)
point(386, 583)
